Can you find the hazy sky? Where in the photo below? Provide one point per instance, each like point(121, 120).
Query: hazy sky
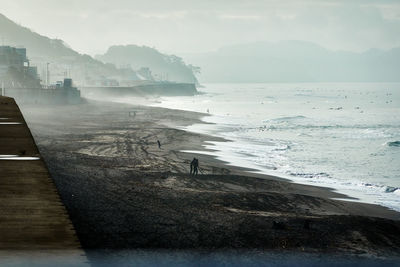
point(186, 26)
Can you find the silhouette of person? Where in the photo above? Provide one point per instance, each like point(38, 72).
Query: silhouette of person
point(194, 166)
point(159, 144)
point(191, 166)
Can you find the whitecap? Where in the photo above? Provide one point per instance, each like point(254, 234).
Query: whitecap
point(287, 118)
point(391, 189)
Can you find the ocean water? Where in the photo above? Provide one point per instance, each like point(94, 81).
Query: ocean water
point(340, 135)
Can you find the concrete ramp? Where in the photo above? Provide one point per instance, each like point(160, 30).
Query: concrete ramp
point(34, 224)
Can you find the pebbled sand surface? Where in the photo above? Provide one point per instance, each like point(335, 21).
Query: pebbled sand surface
point(123, 192)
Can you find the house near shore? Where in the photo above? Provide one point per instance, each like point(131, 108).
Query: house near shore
point(15, 69)
point(21, 81)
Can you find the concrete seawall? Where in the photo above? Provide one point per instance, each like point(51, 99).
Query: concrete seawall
point(55, 96)
point(34, 224)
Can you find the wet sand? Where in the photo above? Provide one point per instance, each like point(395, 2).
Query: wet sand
point(123, 192)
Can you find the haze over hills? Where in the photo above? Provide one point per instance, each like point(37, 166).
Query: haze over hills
point(42, 50)
point(84, 69)
point(285, 61)
point(163, 67)
point(296, 61)
point(39, 45)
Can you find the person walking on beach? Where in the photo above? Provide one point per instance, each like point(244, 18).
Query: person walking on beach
point(194, 166)
point(159, 144)
point(191, 166)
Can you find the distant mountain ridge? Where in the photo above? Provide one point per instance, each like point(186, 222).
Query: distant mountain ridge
point(286, 61)
point(296, 61)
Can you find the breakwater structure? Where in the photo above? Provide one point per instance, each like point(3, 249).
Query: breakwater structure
point(151, 88)
point(63, 93)
point(34, 223)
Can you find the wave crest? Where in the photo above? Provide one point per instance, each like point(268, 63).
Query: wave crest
point(394, 143)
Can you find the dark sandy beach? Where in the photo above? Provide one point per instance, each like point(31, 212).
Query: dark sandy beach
point(123, 192)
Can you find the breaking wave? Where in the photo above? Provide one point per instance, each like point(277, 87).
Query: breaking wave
point(290, 118)
point(310, 175)
point(394, 143)
point(390, 189)
point(371, 186)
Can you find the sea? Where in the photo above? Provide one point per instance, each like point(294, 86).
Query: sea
point(344, 136)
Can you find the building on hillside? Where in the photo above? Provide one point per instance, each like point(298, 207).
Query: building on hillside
point(15, 68)
point(13, 57)
point(20, 80)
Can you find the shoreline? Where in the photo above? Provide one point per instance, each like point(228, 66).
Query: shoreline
point(356, 207)
point(330, 192)
point(122, 191)
point(196, 118)
point(344, 192)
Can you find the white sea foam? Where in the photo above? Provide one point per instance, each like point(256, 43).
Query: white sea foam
point(309, 133)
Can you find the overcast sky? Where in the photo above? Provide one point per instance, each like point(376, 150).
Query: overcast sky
point(191, 26)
